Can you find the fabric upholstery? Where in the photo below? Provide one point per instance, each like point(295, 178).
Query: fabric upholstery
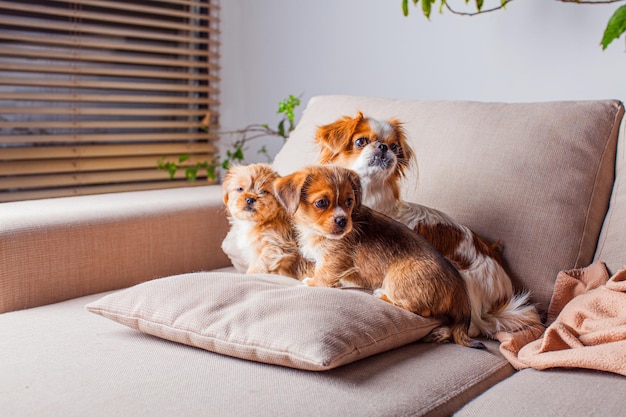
point(536, 176)
point(554, 392)
point(265, 318)
point(612, 243)
point(56, 249)
point(65, 361)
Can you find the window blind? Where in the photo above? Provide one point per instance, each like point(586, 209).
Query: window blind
point(93, 93)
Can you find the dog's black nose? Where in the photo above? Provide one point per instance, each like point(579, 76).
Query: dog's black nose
point(383, 147)
point(341, 221)
point(250, 200)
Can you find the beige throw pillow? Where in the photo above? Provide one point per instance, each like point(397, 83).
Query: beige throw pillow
point(264, 318)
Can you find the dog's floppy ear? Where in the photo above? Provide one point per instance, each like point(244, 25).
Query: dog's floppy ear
point(355, 181)
point(288, 189)
point(405, 157)
point(334, 136)
point(228, 177)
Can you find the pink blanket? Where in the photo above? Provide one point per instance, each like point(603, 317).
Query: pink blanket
point(586, 325)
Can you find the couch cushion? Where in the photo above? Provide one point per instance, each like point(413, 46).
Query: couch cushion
point(265, 318)
point(557, 392)
point(61, 360)
point(612, 243)
point(536, 176)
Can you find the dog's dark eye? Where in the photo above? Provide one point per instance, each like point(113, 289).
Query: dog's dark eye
point(349, 202)
point(361, 142)
point(263, 192)
point(240, 189)
point(395, 148)
point(322, 203)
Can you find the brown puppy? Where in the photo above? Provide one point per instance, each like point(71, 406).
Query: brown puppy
point(354, 244)
point(379, 152)
point(261, 239)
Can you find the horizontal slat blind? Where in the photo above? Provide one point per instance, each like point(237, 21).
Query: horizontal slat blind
point(93, 93)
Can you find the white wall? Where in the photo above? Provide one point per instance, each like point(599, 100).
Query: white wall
point(535, 50)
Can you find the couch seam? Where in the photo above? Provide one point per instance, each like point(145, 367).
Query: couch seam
point(614, 130)
point(618, 180)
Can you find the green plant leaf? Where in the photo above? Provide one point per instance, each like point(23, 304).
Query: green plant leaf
point(282, 106)
point(287, 105)
point(615, 27)
point(405, 7)
point(281, 128)
point(426, 7)
point(191, 173)
point(161, 163)
point(183, 158)
point(171, 170)
point(169, 167)
point(238, 154)
point(211, 172)
point(479, 5)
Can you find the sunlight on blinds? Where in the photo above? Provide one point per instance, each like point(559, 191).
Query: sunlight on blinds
point(93, 93)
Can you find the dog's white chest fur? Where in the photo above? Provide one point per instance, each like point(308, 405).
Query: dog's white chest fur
point(308, 250)
point(242, 230)
point(376, 196)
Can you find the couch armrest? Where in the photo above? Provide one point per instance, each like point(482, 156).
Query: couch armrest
point(56, 249)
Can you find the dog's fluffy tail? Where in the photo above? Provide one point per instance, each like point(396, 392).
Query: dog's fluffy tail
point(515, 314)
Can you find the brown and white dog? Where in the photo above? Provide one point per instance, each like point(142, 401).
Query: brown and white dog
point(354, 244)
point(261, 239)
point(379, 152)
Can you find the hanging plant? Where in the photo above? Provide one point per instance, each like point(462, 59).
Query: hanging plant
point(614, 29)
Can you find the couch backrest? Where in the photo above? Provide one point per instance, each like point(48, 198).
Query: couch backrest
point(536, 176)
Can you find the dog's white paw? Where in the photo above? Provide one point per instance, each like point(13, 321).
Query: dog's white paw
point(307, 281)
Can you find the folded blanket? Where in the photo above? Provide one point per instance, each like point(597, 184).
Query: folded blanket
point(587, 325)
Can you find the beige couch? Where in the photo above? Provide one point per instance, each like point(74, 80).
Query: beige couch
point(547, 179)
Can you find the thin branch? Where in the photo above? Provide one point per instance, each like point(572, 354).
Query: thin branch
point(258, 135)
point(591, 1)
point(501, 6)
point(268, 131)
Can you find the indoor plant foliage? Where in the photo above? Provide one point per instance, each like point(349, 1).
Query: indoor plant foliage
point(616, 25)
point(235, 154)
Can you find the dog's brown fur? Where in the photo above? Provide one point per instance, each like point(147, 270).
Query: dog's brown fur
point(261, 239)
point(379, 151)
point(351, 243)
